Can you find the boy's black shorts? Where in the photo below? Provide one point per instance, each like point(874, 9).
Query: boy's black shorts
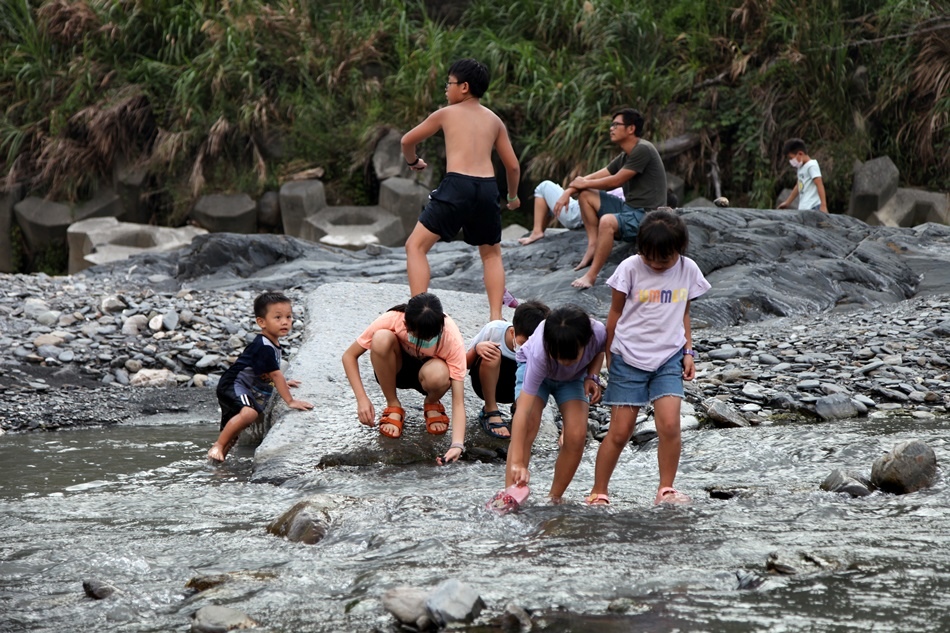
point(466, 203)
point(505, 388)
point(408, 375)
point(231, 403)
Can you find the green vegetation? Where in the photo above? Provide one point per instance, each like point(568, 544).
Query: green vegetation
point(235, 95)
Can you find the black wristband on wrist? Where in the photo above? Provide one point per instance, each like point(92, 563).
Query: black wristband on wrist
point(415, 162)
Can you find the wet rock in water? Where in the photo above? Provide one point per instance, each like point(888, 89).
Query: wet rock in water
point(454, 601)
point(837, 406)
point(303, 523)
point(215, 619)
point(210, 581)
point(749, 580)
point(847, 482)
point(515, 619)
point(408, 605)
point(909, 467)
point(97, 589)
point(723, 415)
point(798, 563)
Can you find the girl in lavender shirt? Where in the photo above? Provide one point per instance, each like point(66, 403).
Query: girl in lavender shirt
point(562, 358)
point(649, 347)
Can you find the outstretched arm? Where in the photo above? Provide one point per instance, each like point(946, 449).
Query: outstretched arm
point(416, 135)
point(458, 423)
point(617, 299)
point(280, 384)
point(351, 365)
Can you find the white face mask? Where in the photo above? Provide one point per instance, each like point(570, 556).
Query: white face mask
point(794, 162)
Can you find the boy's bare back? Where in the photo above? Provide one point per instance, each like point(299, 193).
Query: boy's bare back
point(471, 131)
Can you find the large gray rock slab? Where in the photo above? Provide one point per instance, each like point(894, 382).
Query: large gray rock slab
point(330, 434)
point(404, 197)
point(909, 467)
point(874, 183)
point(226, 213)
point(911, 207)
point(298, 201)
point(7, 200)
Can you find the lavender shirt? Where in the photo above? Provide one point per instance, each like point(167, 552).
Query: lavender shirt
point(650, 329)
point(540, 366)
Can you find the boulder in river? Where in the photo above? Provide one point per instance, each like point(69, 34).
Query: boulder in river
point(303, 523)
point(97, 589)
point(847, 482)
point(215, 619)
point(909, 467)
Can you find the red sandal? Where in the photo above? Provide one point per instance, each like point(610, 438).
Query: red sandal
point(387, 418)
point(435, 419)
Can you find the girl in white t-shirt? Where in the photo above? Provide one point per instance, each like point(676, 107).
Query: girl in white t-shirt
point(649, 348)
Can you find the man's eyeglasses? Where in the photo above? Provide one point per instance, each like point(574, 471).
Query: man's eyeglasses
point(618, 124)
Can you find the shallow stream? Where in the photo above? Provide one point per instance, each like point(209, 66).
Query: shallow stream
point(139, 507)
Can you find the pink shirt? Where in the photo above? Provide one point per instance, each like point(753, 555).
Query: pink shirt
point(650, 329)
point(450, 348)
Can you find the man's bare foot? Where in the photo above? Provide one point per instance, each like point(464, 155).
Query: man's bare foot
point(585, 261)
point(216, 454)
point(584, 282)
point(534, 237)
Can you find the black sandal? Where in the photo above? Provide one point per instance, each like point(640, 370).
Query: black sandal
point(490, 428)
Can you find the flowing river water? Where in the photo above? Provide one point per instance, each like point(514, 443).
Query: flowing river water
point(138, 506)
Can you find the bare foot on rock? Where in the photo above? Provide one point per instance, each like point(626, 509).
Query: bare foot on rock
point(583, 283)
point(585, 261)
point(533, 237)
point(216, 453)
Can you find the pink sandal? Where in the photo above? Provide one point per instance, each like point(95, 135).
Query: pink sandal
point(508, 500)
point(597, 500)
point(670, 495)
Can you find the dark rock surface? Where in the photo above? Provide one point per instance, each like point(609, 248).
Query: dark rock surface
point(761, 264)
point(909, 467)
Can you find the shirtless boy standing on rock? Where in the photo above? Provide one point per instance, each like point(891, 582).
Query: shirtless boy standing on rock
point(467, 198)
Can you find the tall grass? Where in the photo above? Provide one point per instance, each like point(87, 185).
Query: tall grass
point(231, 95)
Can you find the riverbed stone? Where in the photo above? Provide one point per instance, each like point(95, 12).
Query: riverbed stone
point(154, 378)
point(408, 605)
point(723, 415)
point(848, 482)
point(837, 406)
point(453, 601)
point(97, 589)
point(303, 523)
point(218, 619)
point(908, 467)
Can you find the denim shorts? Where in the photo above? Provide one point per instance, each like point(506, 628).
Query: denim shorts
point(627, 385)
point(628, 218)
point(562, 390)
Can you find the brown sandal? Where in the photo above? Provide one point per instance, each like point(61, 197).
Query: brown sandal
point(387, 418)
point(435, 419)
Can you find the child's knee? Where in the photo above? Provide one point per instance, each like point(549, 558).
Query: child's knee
point(434, 377)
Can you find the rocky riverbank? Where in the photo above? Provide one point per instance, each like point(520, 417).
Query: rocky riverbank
point(828, 322)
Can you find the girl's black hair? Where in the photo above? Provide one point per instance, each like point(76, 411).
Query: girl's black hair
point(567, 330)
point(424, 315)
point(662, 234)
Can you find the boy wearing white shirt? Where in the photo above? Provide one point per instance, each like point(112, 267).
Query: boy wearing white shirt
point(810, 187)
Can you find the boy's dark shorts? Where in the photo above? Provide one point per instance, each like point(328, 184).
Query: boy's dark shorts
point(466, 203)
point(408, 375)
point(231, 403)
point(505, 388)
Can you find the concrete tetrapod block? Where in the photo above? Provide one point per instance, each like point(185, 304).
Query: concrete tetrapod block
point(406, 198)
point(388, 161)
point(130, 184)
point(354, 227)
point(44, 222)
point(875, 182)
point(101, 240)
point(912, 207)
point(298, 201)
point(677, 186)
point(7, 200)
point(226, 213)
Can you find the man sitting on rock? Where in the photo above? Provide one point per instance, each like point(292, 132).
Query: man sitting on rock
point(639, 171)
